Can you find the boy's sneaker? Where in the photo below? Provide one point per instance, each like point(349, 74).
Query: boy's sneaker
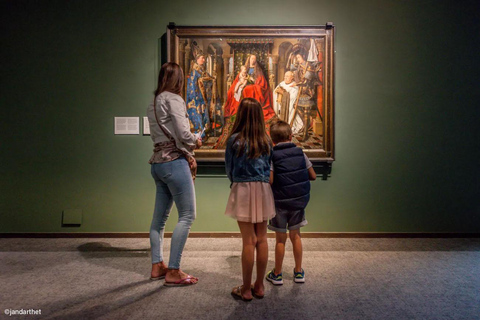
point(273, 278)
point(299, 277)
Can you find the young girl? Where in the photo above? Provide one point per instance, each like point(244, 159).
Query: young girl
point(247, 161)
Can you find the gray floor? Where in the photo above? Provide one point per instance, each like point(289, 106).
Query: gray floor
point(346, 279)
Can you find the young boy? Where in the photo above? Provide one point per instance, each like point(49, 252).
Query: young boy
point(290, 176)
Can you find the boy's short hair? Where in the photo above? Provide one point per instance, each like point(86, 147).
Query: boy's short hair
point(280, 131)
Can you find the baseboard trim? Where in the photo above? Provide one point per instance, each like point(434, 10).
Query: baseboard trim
point(237, 235)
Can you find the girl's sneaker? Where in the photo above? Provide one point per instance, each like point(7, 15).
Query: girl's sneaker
point(276, 279)
point(299, 277)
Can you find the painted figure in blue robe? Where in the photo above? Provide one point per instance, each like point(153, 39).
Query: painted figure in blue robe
point(199, 96)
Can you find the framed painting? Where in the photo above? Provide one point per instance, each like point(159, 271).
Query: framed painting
point(288, 69)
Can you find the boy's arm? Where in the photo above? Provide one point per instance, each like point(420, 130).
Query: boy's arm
point(311, 173)
point(271, 177)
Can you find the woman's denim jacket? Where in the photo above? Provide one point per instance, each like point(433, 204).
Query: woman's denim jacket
point(242, 169)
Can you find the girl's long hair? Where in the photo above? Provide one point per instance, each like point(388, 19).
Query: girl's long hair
point(170, 79)
point(250, 126)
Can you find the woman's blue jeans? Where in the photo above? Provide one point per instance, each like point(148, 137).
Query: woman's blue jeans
point(174, 183)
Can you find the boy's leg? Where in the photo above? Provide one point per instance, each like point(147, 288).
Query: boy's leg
point(281, 238)
point(296, 239)
point(279, 225)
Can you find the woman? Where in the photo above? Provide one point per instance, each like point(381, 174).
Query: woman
point(173, 142)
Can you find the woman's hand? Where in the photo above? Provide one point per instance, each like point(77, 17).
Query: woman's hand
point(198, 143)
point(192, 163)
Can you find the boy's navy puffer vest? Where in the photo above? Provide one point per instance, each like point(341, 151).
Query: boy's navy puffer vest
point(291, 186)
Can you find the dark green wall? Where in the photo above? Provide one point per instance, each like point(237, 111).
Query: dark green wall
point(407, 113)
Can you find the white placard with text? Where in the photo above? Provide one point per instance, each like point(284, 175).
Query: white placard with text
point(127, 125)
point(146, 126)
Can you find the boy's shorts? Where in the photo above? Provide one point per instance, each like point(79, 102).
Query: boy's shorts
point(287, 219)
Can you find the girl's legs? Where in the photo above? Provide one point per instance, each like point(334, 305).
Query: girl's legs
point(163, 205)
point(262, 256)
point(182, 189)
point(281, 239)
point(296, 239)
point(249, 242)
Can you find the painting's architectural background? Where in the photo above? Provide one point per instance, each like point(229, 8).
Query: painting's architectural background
point(407, 113)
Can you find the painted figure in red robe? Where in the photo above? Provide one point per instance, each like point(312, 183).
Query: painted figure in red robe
point(256, 88)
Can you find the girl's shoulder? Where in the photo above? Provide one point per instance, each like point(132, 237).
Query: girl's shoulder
point(232, 139)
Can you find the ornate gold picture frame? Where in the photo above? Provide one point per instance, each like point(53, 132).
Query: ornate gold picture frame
point(289, 69)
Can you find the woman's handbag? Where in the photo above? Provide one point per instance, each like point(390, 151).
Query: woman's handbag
point(192, 163)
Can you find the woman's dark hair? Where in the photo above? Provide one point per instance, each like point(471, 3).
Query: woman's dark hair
point(250, 126)
point(170, 78)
